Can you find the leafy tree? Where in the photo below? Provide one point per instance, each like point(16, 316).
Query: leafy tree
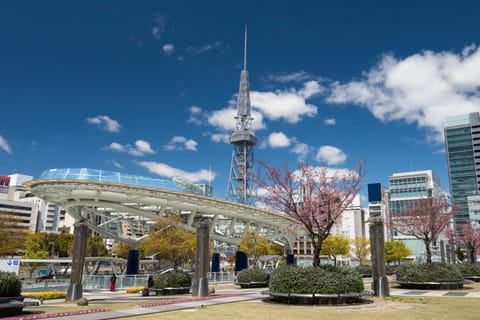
point(469, 238)
point(395, 251)
point(424, 219)
point(169, 241)
point(314, 197)
point(336, 245)
point(96, 247)
point(254, 245)
point(11, 236)
point(34, 249)
point(121, 249)
point(361, 248)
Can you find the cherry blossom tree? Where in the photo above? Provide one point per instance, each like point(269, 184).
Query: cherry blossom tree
point(470, 238)
point(424, 219)
point(315, 197)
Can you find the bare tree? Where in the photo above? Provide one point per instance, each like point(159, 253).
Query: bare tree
point(313, 196)
point(424, 219)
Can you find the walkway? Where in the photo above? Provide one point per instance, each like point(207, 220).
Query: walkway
point(224, 294)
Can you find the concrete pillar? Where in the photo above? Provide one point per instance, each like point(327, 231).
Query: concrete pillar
point(453, 254)
point(377, 248)
point(202, 259)
point(75, 289)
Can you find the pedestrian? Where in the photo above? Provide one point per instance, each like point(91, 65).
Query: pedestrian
point(113, 281)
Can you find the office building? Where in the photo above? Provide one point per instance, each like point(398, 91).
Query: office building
point(462, 142)
point(404, 189)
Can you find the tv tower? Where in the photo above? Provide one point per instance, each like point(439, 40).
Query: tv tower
point(240, 183)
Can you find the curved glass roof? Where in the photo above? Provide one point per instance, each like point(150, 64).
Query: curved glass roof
point(112, 176)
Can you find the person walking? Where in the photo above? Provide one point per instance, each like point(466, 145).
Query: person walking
point(113, 281)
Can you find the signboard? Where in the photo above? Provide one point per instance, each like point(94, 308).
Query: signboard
point(10, 265)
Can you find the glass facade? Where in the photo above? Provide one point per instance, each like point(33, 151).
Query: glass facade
point(462, 142)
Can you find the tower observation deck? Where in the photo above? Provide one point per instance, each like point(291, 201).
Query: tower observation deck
point(240, 183)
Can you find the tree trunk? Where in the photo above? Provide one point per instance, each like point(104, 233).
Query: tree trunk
point(428, 251)
point(316, 255)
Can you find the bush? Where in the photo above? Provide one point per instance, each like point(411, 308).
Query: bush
point(135, 289)
point(428, 272)
point(10, 284)
point(469, 270)
point(364, 269)
point(177, 279)
point(252, 275)
point(46, 295)
point(292, 279)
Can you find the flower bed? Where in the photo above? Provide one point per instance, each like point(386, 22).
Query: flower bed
point(429, 276)
point(56, 314)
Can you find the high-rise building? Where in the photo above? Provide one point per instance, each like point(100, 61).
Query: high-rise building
point(240, 183)
point(27, 211)
point(462, 141)
point(406, 188)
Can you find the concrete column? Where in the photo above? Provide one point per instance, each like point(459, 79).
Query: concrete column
point(377, 248)
point(202, 259)
point(75, 289)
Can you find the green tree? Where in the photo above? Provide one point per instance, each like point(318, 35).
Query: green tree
point(12, 237)
point(96, 247)
point(336, 245)
point(254, 245)
point(361, 248)
point(121, 249)
point(396, 251)
point(35, 249)
point(169, 241)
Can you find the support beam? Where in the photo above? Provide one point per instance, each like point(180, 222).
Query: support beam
point(75, 289)
point(202, 260)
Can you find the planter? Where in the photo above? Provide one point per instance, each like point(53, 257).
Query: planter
point(473, 278)
point(345, 298)
point(11, 306)
point(253, 284)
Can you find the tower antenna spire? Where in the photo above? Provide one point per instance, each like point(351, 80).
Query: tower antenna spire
point(245, 51)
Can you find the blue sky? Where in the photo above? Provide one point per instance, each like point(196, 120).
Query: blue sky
point(149, 87)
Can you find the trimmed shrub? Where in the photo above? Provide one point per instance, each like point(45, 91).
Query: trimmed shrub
point(46, 295)
point(309, 280)
point(364, 269)
point(428, 272)
point(469, 270)
point(134, 289)
point(177, 279)
point(252, 275)
point(10, 284)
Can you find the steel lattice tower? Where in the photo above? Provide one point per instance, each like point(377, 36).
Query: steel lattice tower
point(240, 183)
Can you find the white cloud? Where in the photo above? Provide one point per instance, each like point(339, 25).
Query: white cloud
point(301, 150)
point(164, 170)
point(220, 137)
point(5, 146)
point(181, 143)
point(115, 163)
point(140, 148)
point(330, 155)
point(195, 115)
point(159, 26)
point(143, 147)
point(289, 105)
point(291, 77)
point(278, 140)
point(330, 121)
point(424, 88)
point(205, 48)
point(168, 49)
point(105, 123)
